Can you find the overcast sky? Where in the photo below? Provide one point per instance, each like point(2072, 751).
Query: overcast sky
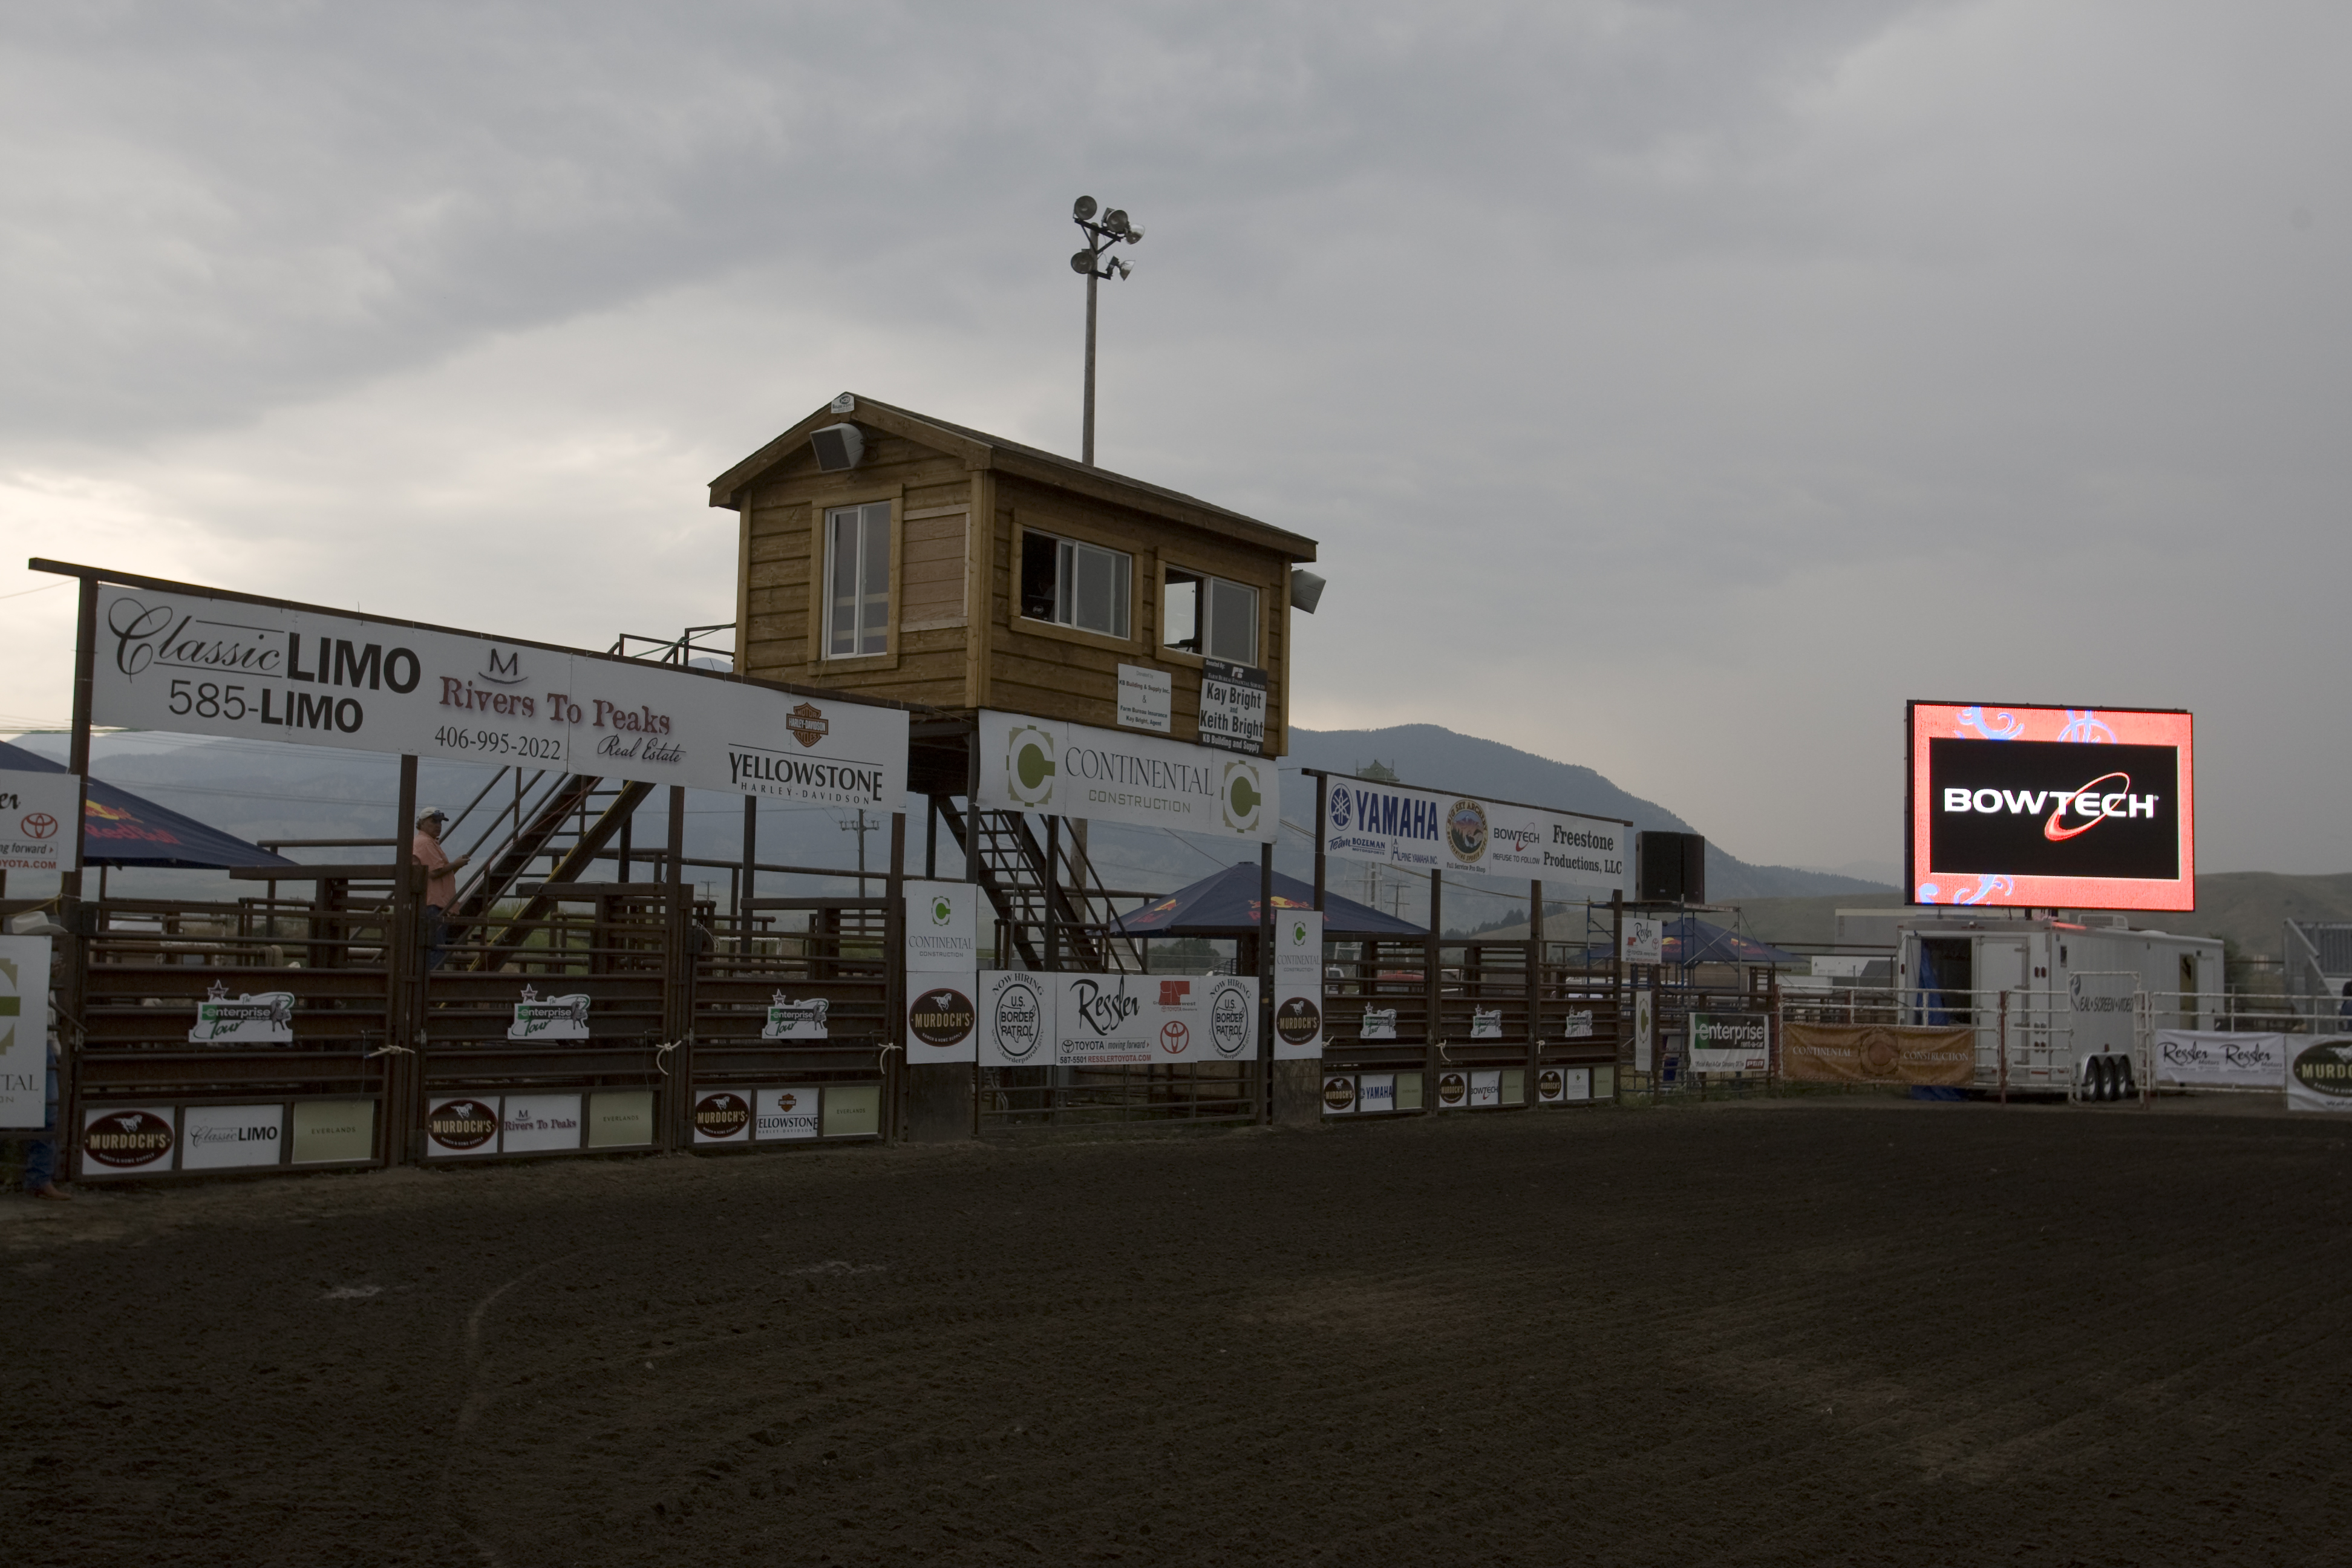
point(1674, 389)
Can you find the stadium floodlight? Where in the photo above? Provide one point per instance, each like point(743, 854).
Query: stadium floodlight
point(1115, 227)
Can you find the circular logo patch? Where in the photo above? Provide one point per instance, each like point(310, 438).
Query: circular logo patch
point(941, 1016)
point(1452, 1087)
point(1338, 809)
point(38, 824)
point(1548, 1083)
point(1229, 1022)
point(462, 1124)
point(1018, 1019)
point(1029, 765)
point(1298, 1021)
point(1174, 1036)
point(1878, 1052)
point(721, 1115)
point(1339, 1093)
point(1465, 830)
point(124, 1139)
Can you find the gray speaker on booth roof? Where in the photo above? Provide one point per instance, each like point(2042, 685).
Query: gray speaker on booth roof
point(1670, 868)
point(839, 446)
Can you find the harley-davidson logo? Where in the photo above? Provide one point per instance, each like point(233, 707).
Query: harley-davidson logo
point(807, 723)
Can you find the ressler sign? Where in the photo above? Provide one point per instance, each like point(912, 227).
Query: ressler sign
point(200, 664)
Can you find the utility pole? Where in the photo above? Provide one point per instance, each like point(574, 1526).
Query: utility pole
point(1113, 230)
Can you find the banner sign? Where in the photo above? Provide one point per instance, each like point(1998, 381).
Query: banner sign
point(1110, 775)
point(538, 1017)
point(1731, 1042)
point(2088, 808)
point(1233, 706)
point(37, 813)
point(198, 665)
point(1147, 699)
point(126, 1139)
point(1391, 825)
point(226, 1137)
point(2206, 1058)
point(262, 1019)
point(2319, 1075)
point(943, 930)
point(791, 1020)
point(1644, 940)
point(1299, 985)
point(1115, 1020)
point(942, 927)
point(23, 1033)
point(1878, 1053)
point(1645, 1030)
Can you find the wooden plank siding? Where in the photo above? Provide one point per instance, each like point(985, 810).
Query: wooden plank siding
point(957, 639)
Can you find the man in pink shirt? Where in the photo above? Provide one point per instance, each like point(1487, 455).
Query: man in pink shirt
point(440, 882)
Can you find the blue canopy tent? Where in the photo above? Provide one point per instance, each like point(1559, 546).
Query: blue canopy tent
point(119, 828)
point(1225, 904)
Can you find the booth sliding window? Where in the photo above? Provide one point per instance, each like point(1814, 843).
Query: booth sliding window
point(1074, 584)
point(857, 580)
point(1209, 616)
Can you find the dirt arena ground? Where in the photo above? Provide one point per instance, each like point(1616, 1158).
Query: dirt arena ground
point(1781, 1333)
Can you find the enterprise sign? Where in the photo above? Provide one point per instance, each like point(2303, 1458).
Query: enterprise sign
point(2074, 807)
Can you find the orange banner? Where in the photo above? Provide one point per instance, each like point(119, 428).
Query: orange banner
point(1878, 1053)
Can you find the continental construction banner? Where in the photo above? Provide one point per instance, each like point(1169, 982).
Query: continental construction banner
point(1028, 763)
point(1878, 1053)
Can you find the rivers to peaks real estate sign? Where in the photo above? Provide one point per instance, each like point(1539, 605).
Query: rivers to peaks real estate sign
point(202, 665)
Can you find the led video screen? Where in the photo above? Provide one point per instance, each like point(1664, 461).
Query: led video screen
point(2087, 808)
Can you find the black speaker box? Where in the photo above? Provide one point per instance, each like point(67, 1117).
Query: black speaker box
point(1670, 868)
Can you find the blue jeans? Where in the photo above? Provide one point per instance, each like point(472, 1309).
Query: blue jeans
point(437, 937)
point(41, 1154)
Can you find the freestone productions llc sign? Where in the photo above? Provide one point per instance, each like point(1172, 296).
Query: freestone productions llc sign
point(1111, 775)
point(1115, 1020)
point(24, 1032)
point(202, 665)
point(1393, 825)
point(2075, 807)
point(38, 812)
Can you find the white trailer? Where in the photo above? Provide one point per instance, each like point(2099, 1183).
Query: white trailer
point(2077, 1002)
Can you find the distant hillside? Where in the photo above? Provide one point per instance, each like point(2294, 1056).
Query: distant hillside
point(1438, 758)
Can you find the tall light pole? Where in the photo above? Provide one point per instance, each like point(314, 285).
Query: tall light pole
point(1100, 236)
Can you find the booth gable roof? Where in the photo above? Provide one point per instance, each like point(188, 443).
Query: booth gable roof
point(981, 450)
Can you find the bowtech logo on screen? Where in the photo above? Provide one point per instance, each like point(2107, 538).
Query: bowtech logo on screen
point(2044, 808)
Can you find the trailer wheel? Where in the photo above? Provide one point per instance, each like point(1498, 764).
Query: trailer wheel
point(2095, 1081)
point(2123, 1075)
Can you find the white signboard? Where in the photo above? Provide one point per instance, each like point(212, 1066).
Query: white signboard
point(223, 666)
point(1731, 1042)
point(1137, 1020)
point(1146, 698)
point(1645, 1019)
point(1486, 1023)
point(1112, 775)
point(942, 927)
point(787, 1112)
point(942, 1021)
point(1391, 825)
point(2319, 1075)
point(24, 1032)
point(1644, 940)
point(1299, 985)
point(1378, 1024)
point(1233, 707)
point(539, 1123)
point(2212, 1059)
point(1017, 1019)
point(791, 1020)
point(263, 1018)
point(538, 1017)
point(224, 1137)
point(38, 812)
